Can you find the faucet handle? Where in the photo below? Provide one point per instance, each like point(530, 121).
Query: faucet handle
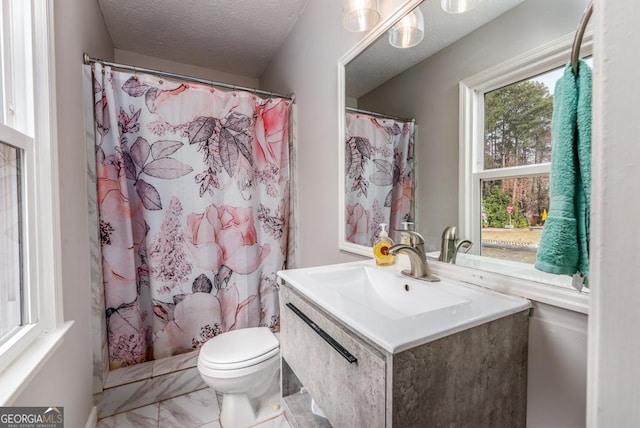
point(465, 245)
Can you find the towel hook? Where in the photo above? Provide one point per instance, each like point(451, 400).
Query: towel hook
point(577, 41)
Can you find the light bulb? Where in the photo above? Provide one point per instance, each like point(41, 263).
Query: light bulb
point(409, 31)
point(459, 6)
point(360, 15)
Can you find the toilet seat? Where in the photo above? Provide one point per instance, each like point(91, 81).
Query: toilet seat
point(239, 349)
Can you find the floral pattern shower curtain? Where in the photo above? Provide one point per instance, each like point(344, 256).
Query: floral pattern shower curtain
point(193, 197)
point(379, 176)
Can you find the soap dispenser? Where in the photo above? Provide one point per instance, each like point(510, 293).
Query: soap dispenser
point(381, 248)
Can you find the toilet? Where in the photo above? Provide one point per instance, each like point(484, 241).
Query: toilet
point(244, 366)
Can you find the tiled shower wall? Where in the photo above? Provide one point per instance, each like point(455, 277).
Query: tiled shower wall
point(98, 320)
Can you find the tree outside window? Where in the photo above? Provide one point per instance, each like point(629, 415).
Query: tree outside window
point(517, 132)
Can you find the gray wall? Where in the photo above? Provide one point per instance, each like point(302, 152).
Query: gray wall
point(557, 382)
point(306, 65)
point(66, 378)
point(133, 58)
point(429, 92)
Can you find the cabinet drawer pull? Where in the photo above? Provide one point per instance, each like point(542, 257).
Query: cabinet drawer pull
point(323, 334)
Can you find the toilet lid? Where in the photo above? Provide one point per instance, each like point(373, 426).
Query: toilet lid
point(239, 348)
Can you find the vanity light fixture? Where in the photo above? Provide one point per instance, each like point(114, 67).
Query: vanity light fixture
point(459, 6)
point(409, 31)
point(360, 15)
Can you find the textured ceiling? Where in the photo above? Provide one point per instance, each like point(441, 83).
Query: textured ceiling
point(235, 36)
point(380, 62)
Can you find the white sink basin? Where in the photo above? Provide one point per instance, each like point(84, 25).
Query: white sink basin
point(383, 291)
point(394, 311)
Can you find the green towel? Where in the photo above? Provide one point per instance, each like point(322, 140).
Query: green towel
point(564, 248)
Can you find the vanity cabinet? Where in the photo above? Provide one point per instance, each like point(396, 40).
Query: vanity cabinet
point(353, 393)
point(473, 378)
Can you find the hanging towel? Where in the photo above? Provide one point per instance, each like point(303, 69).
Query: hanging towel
point(564, 248)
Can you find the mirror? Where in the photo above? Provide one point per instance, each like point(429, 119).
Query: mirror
point(422, 83)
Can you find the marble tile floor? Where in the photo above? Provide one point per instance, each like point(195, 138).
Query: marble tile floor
point(199, 409)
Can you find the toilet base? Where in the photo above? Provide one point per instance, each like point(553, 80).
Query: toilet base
point(239, 411)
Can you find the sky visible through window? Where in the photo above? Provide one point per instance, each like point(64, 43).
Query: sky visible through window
point(551, 77)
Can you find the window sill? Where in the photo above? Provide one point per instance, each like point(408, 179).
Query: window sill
point(16, 376)
point(514, 280)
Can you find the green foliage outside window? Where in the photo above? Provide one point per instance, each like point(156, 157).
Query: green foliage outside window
point(495, 204)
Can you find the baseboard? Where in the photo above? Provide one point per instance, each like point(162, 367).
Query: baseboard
point(92, 421)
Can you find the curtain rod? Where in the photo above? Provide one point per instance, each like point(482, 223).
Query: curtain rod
point(88, 60)
point(384, 116)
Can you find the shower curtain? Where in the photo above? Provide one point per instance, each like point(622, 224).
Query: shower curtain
point(193, 200)
point(379, 174)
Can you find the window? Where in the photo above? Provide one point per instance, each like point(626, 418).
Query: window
point(517, 133)
point(16, 172)
point(30, 310)
point(506, 152)
point(15, 149)
point(10, 241)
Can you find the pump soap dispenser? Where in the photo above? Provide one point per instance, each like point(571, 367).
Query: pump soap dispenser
point(381, 248)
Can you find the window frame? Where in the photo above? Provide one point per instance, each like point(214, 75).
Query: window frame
point(527, 282)
point(23, 354)
point(472, 125)
point(29, 289)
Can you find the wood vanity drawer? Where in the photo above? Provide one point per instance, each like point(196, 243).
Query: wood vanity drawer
point(351, 394)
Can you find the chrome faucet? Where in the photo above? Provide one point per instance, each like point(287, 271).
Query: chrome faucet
point(419, 266)
point(451, 245)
